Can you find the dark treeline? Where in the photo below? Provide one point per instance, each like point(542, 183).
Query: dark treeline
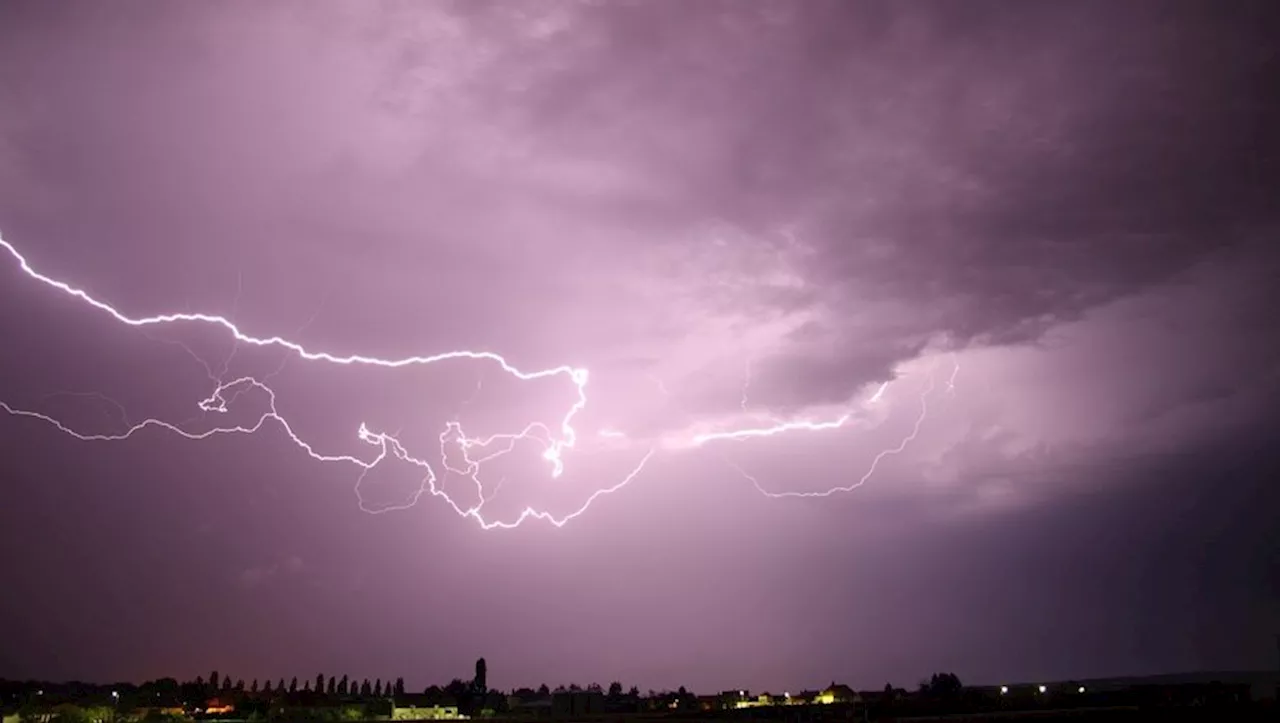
point(336, 699)
point(202, 689)
point(323, 697)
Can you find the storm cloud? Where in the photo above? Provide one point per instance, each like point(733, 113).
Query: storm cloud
point(1051, 224)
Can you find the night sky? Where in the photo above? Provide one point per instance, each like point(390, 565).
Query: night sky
point(1020, 257)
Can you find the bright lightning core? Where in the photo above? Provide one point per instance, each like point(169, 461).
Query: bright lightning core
point(472, 451)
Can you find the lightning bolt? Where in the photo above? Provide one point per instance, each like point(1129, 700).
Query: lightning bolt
point(554, 446)
point(474, 452)
point(879, 393)
point(750, 432)
point(833, 424)
point(780, 427)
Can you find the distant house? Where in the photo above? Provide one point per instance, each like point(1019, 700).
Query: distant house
point(218, 706)
point(760, 701)
point(730, 699)
point(577, 704)
point(804, 697)
point(422, 707)
point(836, 693)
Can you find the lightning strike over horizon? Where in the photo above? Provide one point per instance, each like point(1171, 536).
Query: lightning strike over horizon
point(875, 461)
point(555, 448)
point(474, 451)
point(217, 402)
point(779, 427)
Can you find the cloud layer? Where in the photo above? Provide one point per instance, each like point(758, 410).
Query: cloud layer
point(733, 213)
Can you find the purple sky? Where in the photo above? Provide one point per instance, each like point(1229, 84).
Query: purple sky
point(1053, 224)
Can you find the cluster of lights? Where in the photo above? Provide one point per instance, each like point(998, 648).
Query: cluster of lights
point(1042, 689)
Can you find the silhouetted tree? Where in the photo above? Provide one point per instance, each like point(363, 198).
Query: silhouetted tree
point(615, 690)
point(456, 689)
point(293, 684)
point(594, 688)
point(240, 685)
point(682, 692)
point(942, 685)
point(365, 689)
point(187, 690)
point(399, 689)
point(254, 687)
point(634, 692)
point(266, 686)
point(330, 687)
point(214, 680)
point(377, 688)
point(342, 686)
point(306, 687)
point(481, 682)
point(320, 683)
point(226, 685)
point(543, 690)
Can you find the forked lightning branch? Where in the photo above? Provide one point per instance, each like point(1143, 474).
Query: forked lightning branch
point(473, 451)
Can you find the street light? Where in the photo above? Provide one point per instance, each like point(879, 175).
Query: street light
point(1004, 690)
point(1042, 689)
